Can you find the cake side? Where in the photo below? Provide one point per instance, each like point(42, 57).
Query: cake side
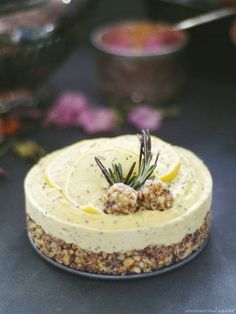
point(117, 263)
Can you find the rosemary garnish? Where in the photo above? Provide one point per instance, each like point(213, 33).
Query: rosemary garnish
point(145, 167)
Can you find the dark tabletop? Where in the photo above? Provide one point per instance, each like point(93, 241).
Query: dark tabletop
point(207, 126)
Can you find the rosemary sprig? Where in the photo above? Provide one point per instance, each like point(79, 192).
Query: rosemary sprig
point(109, 177)
point(145, 167)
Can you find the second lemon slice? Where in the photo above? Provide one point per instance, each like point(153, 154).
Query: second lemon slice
point(169, 161)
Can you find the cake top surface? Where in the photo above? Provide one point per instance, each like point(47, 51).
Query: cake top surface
point(67, 185)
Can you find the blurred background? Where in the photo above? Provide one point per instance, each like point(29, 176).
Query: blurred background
point(93, 66)
point(68, 71)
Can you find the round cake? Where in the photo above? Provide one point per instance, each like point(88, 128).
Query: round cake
point(128, 204)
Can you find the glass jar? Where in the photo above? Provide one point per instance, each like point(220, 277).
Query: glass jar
point(154, 73)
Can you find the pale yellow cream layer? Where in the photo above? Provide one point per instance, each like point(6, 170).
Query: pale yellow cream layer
point(63, 196)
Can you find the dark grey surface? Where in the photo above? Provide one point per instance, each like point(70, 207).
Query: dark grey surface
point(207, 126)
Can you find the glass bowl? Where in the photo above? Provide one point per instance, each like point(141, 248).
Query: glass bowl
point(35, 37)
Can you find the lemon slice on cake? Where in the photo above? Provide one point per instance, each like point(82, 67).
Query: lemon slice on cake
point(168, 163)
point(85, 184)
point(91, 210)
point(57, 169)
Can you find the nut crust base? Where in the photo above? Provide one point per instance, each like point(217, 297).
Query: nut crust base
point(136, 261)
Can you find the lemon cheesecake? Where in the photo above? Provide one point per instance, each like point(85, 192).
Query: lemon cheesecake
point(119, 205)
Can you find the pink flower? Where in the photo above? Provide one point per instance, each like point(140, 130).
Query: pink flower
point(67, 109)
point(2, 173)
point(145, 117)
point(95, 120)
